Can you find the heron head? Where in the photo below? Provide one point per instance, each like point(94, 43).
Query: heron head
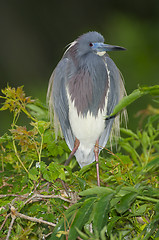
point(93, 42)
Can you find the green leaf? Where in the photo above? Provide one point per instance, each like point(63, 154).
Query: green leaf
point(102, 208)
point(96, 191)
point(43, 166)
point(111, 224)
point(66, 221)
point(102, 233)
point(129, 133)
point(125, 101)
point(49, 136)
point(39, 112)
point(81, 182)
point(82, 235)
point(149, 191)
point(157, 235)
point(145, 139)
point(141, 209)
point(137, 93)
point(85, 169)
point(125, 202)
point(127, 147)
point(153, 90)
point(41, 126)
point(62, 226)
point(33, 174)
point(5, 138)
point(54, 147)
point(81, 218)
point(153, 164)
point(150, 229)
point(157, 208)
point(125, 158)
point(56, 171)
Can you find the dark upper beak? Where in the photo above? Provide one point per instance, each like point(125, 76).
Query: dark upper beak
point(101, 47)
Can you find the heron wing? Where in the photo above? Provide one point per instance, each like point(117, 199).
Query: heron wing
point(116, 92)
point(57, 99)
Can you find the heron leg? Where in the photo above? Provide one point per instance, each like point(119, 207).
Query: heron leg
point(76, 145)
point(96, 152)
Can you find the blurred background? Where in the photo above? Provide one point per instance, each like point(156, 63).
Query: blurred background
point(33, 36)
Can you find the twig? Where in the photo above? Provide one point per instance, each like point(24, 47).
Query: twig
point(34, 219)
point(15, 214)
point(4, 221)
point(29, 200)
point(143, 220)
point(53, 196)
point(64, 186)
point(6, 184)
point(27, 113)
point(37, 197)
point(9, 195)
point(10, 227)
point(47, 235)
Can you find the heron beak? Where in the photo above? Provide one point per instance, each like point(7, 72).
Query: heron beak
point(101, 48)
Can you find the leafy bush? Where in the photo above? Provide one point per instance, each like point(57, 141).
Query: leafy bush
point(40, 198)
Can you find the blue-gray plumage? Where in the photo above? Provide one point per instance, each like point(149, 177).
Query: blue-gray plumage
point(84, 88)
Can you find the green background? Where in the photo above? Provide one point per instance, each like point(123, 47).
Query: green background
point(33, 36)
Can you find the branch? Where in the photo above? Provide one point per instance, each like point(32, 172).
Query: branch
point(15, 214)
point(11, 224)
point(53, 196)
point(34, 219)
point(37, 197)
point(4, 221)
point(9, 195)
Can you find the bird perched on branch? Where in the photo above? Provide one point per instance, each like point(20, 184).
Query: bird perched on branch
point(83, 89)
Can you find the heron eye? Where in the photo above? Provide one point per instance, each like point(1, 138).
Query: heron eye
point(90, 44)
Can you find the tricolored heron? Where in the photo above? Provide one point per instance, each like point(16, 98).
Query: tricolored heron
point(84, 88)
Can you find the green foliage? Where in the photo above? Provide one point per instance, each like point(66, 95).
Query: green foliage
point(40, 198)
point(127, 100)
